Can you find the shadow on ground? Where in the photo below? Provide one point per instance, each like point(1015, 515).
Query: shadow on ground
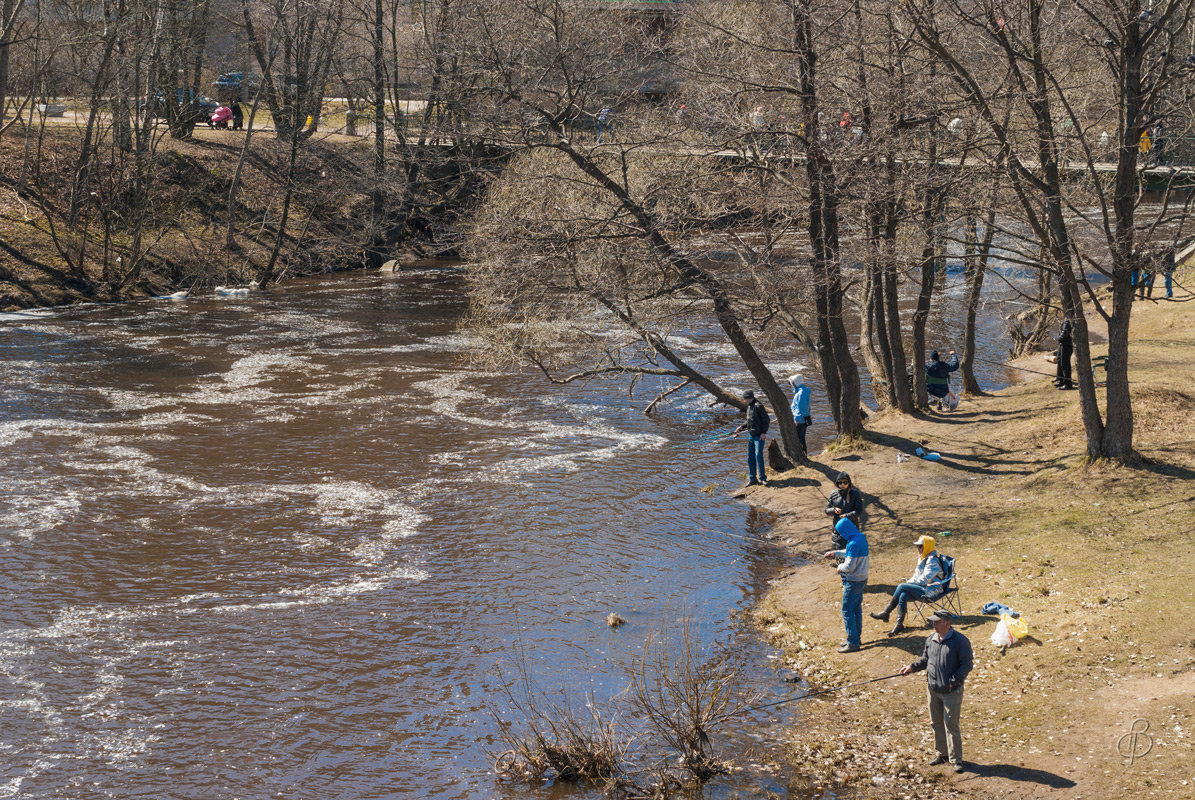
point(1011, 772)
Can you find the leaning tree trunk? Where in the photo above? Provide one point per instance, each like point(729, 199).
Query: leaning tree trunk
point(724, 311)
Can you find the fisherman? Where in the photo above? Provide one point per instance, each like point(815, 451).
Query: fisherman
point(756, 425)
point(845, 503)
point(1066, 349)
point(937, 375)
point(925, 579)
point(947, 660)
point(801, 396)
point(853, 572)
point(1168, 265)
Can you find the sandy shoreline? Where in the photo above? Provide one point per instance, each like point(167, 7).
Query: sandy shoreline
point(1096, 557)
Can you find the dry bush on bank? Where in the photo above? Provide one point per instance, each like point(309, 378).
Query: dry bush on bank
point(679, 695)
point(683, 694)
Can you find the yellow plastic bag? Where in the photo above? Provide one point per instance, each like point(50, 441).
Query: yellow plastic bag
point(1016, 626)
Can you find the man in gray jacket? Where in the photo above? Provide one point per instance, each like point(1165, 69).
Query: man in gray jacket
point(947, 660)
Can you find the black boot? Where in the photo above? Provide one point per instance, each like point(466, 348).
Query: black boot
point(900, 623)
point(883, 615)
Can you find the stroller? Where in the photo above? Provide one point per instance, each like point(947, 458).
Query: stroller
point(221, 117)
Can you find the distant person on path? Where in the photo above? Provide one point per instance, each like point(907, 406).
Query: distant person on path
point(1168, 265)
point(1159, 144)
point(853, 572)
point(1066, 349)
point(756, 426)
point(238, 115)
point(1145, 282)
point(605, 121)
point(801, 397)
point(845, 503)
point(929, 571)
point(937, 374)
point(947, 660)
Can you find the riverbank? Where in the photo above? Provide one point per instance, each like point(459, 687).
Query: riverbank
point(1097, 558)
point(202, 212)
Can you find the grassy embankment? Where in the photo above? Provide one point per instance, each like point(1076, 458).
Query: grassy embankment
point(183, 221)
point(1097, 558)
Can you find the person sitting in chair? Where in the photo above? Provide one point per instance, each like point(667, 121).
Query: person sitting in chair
point(925, 584)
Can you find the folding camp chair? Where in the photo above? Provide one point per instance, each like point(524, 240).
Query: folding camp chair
point(946, 591)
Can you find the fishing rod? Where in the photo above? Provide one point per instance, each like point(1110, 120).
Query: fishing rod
point(702, 440)
point(1011, 366)
point(809, 695)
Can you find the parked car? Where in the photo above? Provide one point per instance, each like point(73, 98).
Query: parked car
point(236, 85)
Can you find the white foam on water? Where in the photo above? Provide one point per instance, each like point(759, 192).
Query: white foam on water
point(326, 593)
point(342, 503)
point(32, 313)
point(403, 524)
point(29, 509)
point(309, 542)
point(147, 479)
point(448, 343)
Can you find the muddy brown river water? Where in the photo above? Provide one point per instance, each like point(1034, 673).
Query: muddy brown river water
point(277, 546)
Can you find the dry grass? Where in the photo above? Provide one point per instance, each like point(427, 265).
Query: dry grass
point(1097, 557)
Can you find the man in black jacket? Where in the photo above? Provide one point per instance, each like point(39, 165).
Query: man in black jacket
point(1066, 348)
point(947, 660)
point(756, 426)
point(845, 503)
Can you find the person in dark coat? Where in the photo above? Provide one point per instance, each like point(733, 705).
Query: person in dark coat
point(1066, 348)
point(937, 374)
point(845, 503)
point(947, 660)
point(238, 115)
point(1168, 267)
point(756, 425)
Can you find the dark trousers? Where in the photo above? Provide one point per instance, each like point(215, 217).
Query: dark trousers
point(802, 426)
point(1063, 375)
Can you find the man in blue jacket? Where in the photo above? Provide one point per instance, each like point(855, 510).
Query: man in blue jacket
point(853, 571)
point(947, 660)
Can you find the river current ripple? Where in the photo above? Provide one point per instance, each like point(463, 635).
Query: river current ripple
point(278, 546)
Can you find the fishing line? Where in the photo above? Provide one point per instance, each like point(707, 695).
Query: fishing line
point(702, 440)
point(1010, 366)
point(805, 696)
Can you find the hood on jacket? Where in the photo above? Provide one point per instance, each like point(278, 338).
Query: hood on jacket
point(842, 476)
point(927, 545)
point(846, 529)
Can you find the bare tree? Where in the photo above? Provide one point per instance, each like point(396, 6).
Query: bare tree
point(1050, 50)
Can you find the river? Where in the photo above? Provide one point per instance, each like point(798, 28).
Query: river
point(285, 545)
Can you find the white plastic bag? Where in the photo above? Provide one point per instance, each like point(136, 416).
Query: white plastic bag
point(951, 400)
point(1002, 638)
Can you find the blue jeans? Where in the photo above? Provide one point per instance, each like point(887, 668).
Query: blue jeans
point(852, 610)
point(908, 591)
point(1169, 287)
point(755, 457)
point(1133, 277)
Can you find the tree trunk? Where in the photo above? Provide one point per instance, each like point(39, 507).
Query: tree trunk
point(976, 268)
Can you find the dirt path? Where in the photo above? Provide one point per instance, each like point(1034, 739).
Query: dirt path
point(1097, 558)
